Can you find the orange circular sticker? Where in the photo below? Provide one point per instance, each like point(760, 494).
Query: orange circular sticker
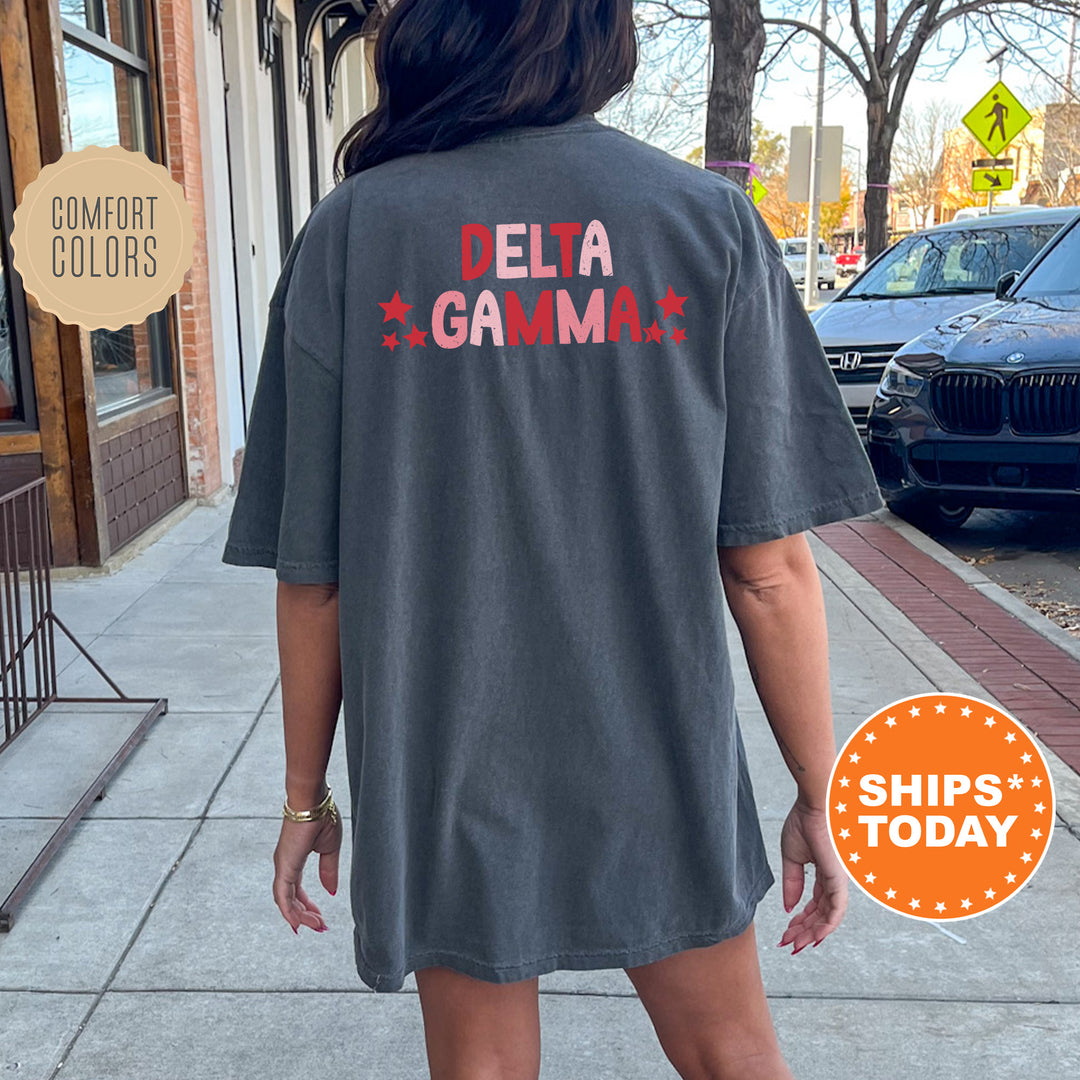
point(941, 806)
point(103, 237)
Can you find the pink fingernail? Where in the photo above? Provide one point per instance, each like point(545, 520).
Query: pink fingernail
point(333, 892)
point(296, 930)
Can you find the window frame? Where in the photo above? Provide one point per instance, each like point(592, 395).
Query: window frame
point(20, 328)
point(161, 325)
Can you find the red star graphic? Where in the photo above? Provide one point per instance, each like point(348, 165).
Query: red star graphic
point(678, 336)
point(653, 333)
point(417, 337)
point(396, 308)
point(671, 303)
point(390, 341)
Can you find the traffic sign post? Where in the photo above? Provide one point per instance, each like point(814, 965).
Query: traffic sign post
point(995, 120)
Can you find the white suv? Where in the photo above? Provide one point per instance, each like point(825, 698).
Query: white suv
point(794, 250)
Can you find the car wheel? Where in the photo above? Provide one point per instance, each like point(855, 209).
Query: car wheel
point(931, 514)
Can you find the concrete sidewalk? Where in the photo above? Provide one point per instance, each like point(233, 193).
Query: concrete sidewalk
point(151, 948)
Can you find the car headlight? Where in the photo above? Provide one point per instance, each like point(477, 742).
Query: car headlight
point(898, 381)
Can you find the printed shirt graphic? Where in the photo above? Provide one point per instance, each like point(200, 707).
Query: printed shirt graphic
point(555, 316)
point(512, 397)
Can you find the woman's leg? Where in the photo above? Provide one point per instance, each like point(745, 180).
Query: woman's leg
point(710, 1013)
point(477, 1030)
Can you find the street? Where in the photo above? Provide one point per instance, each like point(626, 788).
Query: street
point(1033, 554)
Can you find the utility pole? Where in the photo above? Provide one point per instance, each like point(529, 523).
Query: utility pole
point(813, 224)
point(999, 59)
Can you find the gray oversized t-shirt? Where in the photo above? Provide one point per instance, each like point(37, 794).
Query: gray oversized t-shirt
point(512, 397)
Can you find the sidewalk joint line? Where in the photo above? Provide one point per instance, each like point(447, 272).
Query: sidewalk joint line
point(99, 995)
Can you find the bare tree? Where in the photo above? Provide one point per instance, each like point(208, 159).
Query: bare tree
point(918, 157)
point(888, 42)
point(736, 40)
point(664, 105)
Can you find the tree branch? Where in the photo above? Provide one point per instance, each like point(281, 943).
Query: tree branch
point(897, 35)
point(779, 49)
point(832, 46)
point(860, 34)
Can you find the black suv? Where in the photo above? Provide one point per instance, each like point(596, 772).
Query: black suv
point(984, 410)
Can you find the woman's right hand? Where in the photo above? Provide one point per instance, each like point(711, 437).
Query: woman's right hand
point(805, 839)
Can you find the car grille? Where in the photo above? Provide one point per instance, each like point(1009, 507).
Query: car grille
point(978, 403)
point(1046, 404)
point(967, 402)
point(860, 414)
point(872, 361)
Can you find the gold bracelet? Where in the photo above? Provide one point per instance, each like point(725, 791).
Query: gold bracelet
point(326, 808)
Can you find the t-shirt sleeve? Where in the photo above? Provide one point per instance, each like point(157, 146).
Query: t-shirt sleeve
point(793, 458)
point(285, 515)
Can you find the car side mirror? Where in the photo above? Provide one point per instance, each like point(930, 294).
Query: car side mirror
point(1005, 283)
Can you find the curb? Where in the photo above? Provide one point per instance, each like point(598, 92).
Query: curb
point(1066, 779)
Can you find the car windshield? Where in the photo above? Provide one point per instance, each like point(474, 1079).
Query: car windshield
point(952, 261)
point(1059, 272)
point(798, 247)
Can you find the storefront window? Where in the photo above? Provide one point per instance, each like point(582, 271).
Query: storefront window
point(108, 94)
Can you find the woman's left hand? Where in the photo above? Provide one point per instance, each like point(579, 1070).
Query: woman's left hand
point(297, 841)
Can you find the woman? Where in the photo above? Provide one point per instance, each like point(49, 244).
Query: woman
point(534, 397)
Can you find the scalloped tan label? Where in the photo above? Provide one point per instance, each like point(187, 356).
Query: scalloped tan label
point(103, 237)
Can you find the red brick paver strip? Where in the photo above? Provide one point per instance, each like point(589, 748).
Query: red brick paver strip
point(1038, 682)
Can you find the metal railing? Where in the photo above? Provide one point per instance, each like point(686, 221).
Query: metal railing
point(28, 676)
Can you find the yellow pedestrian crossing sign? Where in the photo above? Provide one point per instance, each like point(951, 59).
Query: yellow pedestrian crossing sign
point(997, 119)
point(991, 180)
point(758, 190)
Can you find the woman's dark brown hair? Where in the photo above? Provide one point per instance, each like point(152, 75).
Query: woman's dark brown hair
point(449, 71)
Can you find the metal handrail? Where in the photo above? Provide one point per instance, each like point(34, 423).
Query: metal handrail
point(26, 547)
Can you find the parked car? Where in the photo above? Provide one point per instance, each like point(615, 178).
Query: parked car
point(794, 250)
point(924, 279)
point(847, 262)
point(984, 410)
point(966, 212)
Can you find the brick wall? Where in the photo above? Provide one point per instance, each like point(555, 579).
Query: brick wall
point(184, 155)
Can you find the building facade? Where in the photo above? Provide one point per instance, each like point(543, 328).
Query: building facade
point(244, 101)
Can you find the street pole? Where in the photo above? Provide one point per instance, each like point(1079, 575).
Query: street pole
point(813, 225)
point(999, 59)
point(814, 216)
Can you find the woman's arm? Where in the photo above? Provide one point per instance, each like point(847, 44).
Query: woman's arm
point(310, 659)
point(774, 593)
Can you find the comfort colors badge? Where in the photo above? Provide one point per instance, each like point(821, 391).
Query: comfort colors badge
point(103, 237)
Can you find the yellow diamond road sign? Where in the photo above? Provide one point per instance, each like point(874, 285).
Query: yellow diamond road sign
point(758, 191)
point(991, 179)
point(997, 119)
